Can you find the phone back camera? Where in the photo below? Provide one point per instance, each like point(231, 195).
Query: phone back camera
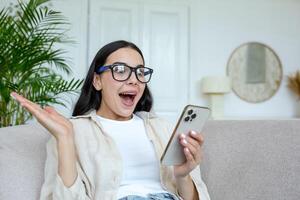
point(190, 116)
point(190, 112)
point(186, 119)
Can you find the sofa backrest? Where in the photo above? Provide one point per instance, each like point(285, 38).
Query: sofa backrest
point(252, 159)
point(242, 160)
point(22, 159)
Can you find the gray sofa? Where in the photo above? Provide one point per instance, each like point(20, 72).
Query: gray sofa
point(242, 160)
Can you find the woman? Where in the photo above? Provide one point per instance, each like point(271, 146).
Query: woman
point(110, 149)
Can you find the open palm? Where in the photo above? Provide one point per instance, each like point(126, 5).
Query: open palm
point(55, 123)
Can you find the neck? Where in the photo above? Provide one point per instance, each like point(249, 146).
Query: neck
point(112, 116)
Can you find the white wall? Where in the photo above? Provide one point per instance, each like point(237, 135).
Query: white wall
point(218, 27)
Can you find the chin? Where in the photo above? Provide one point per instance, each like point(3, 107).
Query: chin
point(126, 113)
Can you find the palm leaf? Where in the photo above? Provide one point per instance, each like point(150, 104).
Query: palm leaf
point(30, 59)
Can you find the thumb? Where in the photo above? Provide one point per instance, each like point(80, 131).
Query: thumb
point(53, 113)
point(50, 110)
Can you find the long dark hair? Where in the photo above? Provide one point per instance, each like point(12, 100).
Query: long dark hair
point(90, 98)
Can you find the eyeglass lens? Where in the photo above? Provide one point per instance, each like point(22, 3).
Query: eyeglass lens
point(122, 72)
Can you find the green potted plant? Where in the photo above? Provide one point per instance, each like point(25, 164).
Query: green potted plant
point(30, 61)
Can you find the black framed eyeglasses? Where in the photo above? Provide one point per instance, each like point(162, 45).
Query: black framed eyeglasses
point(122, 72)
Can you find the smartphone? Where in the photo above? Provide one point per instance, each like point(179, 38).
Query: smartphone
point(192, 118)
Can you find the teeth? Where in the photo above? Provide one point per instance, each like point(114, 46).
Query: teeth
point(127, 93)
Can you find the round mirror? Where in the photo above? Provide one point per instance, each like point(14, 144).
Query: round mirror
point(255, 71)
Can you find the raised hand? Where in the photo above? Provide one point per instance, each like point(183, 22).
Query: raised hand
point(59, 126)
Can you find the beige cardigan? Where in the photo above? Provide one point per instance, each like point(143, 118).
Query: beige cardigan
point(99, 162)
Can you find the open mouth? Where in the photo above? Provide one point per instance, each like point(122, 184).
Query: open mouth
point(128, 98)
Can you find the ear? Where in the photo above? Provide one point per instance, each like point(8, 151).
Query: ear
point(97, 82)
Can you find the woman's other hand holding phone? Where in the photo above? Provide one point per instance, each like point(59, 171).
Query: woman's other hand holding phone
point(191, 145)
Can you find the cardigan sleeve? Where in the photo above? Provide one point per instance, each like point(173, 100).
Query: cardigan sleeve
point(199, 184)
point(53, 187)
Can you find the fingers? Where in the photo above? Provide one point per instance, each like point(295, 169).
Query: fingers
point(189, 157)
point(54, 114)
point(197, 136)
point(192, 146)
point(33, 108)
point(50, 110)
point(55, 123)
point(18, 97)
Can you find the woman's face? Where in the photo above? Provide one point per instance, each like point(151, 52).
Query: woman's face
point(119, 99)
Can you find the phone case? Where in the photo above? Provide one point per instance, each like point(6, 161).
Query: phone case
point(192, 118)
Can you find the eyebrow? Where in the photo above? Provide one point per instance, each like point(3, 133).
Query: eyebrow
point(119, 63)
point(127, 64)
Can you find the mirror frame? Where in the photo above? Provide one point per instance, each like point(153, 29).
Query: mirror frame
point(260, 91)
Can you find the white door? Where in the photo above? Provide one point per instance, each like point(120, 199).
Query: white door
point(161, 31)
point(111, 21)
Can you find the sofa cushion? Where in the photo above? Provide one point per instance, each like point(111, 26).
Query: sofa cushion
point(22, 159)
point(252, 159)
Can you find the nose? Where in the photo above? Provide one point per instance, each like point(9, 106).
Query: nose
point(132, 78)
